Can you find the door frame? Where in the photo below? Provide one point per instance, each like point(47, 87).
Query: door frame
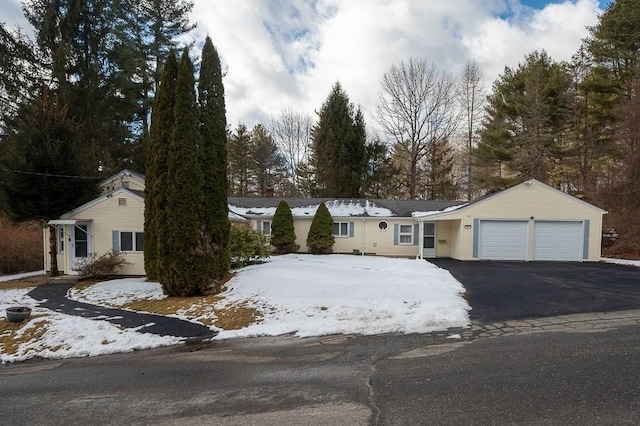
point(73, 259)
point(429, 252)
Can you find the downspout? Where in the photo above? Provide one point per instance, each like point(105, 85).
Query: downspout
point(420, 239)
point(363, 238)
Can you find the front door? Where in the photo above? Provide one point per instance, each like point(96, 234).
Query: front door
point(80, 244)
point(429, 239)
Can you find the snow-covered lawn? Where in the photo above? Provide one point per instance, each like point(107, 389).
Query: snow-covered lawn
point(300, 294)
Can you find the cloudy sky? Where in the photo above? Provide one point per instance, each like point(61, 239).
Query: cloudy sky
point(287, 54)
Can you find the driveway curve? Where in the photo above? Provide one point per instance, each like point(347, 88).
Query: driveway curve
point(499, 291)
point(54, 296)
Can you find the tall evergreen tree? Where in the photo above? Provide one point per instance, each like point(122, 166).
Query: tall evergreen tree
point(338, 145)
point(283, 235)
point(78, 45)
point(213, 131)
point(529, 111)
point(156, 184)
point(240, 170)
point(39, 175)
point(269, 165)
point(320, 238)
point(183, 270)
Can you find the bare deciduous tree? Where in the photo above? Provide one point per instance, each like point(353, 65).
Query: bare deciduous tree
point(417, 108)
point(291, 131)
point(471, 97)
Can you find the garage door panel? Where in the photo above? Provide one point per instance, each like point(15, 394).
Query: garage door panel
point(503, 240)
point(557, 240)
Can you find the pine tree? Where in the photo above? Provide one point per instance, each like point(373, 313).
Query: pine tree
point(213, 130)
point(320, 238)
point(240, 162)
point(339, 146)
point(183, 270)
point(283, 236)
point(268, 164)
point(527, 118)
point(156, 183)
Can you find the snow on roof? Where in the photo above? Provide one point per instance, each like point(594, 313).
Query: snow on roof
point(431, 213)
point(337, 208)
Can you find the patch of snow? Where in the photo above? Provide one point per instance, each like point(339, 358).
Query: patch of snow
point(454, 336)
point(621, 261)
point(19, 276)
point(431, 213)
point(118, 292)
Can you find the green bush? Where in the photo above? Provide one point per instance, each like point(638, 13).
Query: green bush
point(247, 246)
point(320, 238)
point(101, 266)
point(283, 236)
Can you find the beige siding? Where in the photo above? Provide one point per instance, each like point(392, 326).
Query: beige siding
point(104, 218)
point(444, 233)
point(375, 241)
point(109, 216)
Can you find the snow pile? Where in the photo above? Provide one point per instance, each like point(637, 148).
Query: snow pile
point(319, 295)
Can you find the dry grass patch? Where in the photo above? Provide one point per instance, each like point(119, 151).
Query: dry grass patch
point(235, 317)
point(202, 309)
point(13, 335)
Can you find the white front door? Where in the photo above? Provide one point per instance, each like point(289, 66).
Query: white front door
point(80, 246)
point(429, 240)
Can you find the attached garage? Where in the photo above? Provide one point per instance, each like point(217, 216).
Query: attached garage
point(558, 240)
point(503, 239)
point(530, 221)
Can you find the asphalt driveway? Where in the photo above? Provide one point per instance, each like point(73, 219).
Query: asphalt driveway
point(501, 291)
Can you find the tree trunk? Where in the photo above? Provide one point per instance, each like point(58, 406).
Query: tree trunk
point(53, 252)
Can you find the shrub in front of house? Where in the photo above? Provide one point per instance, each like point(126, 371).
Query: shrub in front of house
point(247, 246)
point(283, 236)
point(320, 238)
point(101, 266)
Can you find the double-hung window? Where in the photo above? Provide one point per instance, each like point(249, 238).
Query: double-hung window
point(341, 229)
point(405, 236)
point(131, 241)
point(265, 227)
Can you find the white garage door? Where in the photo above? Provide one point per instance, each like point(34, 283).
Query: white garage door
point(503, 240)
point(557, 241)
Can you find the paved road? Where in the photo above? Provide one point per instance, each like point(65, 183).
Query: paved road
point(584, 372)
point(512, 290)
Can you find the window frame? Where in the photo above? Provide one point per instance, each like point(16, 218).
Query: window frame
point(402, 233)
point(134, 241)
point(340, 234)
point(262, 227)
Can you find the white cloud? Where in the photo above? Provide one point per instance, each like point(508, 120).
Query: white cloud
point(288, 53)
point(357, 41)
